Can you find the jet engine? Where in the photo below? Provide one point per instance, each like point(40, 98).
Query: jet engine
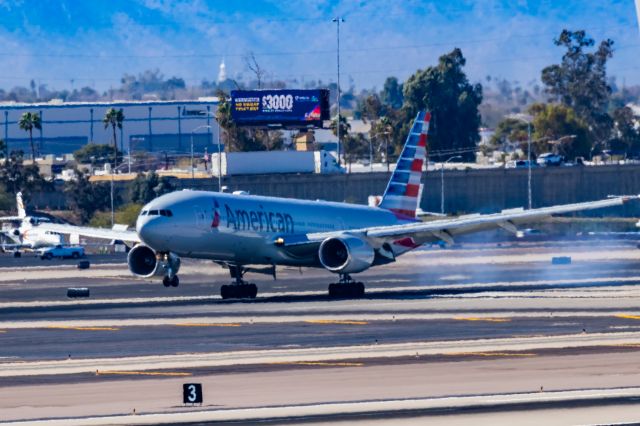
point(144, 262)
point(346, 255)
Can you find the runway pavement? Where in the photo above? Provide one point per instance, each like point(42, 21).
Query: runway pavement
point(475, 320)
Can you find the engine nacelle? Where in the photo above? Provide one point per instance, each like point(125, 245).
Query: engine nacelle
point(144, 262)
point(346, 255)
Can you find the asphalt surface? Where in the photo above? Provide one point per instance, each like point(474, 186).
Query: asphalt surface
point(478, 291)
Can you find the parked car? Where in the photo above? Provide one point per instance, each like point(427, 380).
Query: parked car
point(61, 252)
point(550, 159)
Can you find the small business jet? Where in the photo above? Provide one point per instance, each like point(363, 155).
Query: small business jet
point(247, 233)
point(23, 231)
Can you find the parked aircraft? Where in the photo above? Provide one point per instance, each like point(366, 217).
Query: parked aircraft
point(247, 233)
point(24, 233)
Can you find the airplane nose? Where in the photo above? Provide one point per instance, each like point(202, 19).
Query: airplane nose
point(150, 232)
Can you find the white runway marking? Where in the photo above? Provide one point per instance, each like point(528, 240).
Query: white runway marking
point(252, 357)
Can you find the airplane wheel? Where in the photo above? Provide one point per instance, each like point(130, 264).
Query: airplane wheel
point(225, 292)
point(332, 290)
point(166, 281)
point(359, 287)
point(252, 291)
point(175, 281)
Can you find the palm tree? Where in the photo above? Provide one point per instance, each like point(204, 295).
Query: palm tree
point(383, 129)
point(114, 119)
point(28, 122)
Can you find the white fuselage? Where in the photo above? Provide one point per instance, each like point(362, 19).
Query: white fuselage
point(242, 228)
point(36, 238)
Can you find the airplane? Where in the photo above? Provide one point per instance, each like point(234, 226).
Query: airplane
point(247, 233)
point(27, 235)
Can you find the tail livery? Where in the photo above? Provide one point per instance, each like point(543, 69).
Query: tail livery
point(402, 195)
point(21, 210)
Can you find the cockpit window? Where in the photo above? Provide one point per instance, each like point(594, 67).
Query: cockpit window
point(166, 213)
point(144, 213)
point(153, 212)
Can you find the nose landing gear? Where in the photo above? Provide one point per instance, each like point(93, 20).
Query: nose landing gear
point(346, 288)
point(171, 282)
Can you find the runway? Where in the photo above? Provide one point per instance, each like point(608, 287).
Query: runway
point(477, 320)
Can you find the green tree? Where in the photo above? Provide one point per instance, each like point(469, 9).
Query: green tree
point(354, 146)
point(453, 101)
point(345, 127)
point(96, 154)
point(113, 118)
point(15, 176)
point(86, 198)
point(28, 122)
point(125, 215)
point(391, 94)
point(626, 137)
point(580, 80)
point(145, 188)
point(508, 131)
point(558, 128)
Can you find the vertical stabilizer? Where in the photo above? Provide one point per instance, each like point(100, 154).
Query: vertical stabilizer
point(402, 195)
point(22, 213)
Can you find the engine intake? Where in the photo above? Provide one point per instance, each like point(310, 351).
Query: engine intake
point(144, 262)
point(346, 255)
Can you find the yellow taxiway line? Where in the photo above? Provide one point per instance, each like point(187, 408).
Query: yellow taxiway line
point(338, 322)
point(66, 327)
point(626, 316)
point(142, 373)
point(482, 319)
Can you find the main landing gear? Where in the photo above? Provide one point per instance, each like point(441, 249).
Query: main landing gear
point(171, 282)
point(239, 289)
point(347, 288)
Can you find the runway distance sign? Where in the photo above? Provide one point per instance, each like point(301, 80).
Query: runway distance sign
point(280, 108)
point(192, 393)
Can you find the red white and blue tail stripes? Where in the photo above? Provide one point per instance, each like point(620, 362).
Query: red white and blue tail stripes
point(401, 195)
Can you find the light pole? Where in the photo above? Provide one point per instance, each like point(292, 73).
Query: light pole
point(113, 221)
point(204, 126)
point(442, 181)
point(219, 160)
point(338, 20)
point(527, 119)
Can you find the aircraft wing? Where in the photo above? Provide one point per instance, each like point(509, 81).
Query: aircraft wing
point(87, 231)
point(418, 233)
point(10, 218)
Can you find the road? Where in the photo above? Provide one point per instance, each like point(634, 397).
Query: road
point(471, 321)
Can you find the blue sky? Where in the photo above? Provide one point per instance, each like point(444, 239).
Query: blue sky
point(95, 42)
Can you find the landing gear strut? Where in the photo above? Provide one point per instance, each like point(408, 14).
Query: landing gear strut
point(171, 282)
point(239, 289)
point(346, 288)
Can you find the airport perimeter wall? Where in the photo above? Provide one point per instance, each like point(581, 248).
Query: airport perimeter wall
point(471, 190)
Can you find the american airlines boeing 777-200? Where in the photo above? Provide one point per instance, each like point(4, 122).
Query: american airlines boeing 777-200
point(247, 233)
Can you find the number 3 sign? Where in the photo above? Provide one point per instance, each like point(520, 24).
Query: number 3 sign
point(192, 393)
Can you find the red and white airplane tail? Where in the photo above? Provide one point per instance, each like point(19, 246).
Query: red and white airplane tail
point(402, 195)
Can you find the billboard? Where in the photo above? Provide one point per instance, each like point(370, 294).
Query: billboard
point(280, 107)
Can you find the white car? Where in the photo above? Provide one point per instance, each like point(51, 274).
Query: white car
point(550, 159)
point(61, 252)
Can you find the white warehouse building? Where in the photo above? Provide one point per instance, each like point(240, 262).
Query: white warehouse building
point(153, 126)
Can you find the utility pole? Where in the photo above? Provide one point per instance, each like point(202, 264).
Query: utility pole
point(337, 20)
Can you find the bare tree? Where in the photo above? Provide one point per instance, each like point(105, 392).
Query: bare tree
point(254, 66)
